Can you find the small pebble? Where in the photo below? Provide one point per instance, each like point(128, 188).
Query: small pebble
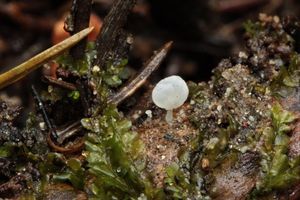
point(251, 118)
point(243, 55)
point(42, 126)
point(149, 113)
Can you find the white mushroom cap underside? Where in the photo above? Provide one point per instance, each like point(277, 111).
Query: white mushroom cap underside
point(170, 92)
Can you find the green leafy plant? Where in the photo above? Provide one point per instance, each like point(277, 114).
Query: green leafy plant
point(279, 171)
point(113, 154)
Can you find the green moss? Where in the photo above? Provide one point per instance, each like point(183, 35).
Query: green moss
point(215, 150)
point(73, 173)
point(177, 183)
point(278, 170)
point(183, 181)
point(288, 79)
point(6, 150)
point(252, 28)
point(114, 72)
point(56, 168)
point(53, 94)
point(197, 92)
point(82, 66)
point(113, 153)
point(74, 95)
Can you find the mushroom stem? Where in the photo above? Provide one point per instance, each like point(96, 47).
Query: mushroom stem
point(169, 116)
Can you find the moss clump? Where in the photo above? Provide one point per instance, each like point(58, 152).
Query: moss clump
point(252, 28)
point(113, 153)
point(81, 66)
point(278, 170)
point(113, 73)
point(288, 79)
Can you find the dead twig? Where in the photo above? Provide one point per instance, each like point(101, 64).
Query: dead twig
point(111, 28)
point(82, 87)
point(80, 18)
point(151, 65)
point(59, 83)
point(68, 131)
point(63, 134)
point(66, 150)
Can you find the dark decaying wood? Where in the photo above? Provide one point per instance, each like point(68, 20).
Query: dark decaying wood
point(111, 29)
point(80, 18)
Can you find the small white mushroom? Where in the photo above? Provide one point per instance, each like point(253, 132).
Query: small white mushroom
point(170, 93)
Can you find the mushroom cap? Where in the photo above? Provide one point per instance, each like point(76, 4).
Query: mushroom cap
point(170, 92)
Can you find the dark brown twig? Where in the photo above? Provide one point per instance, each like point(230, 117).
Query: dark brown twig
point(68, 131)
point(110, 31)
point(59, 83)
point(84, 96)
point(80, 18)
point(67, 150)
point(150, 66)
